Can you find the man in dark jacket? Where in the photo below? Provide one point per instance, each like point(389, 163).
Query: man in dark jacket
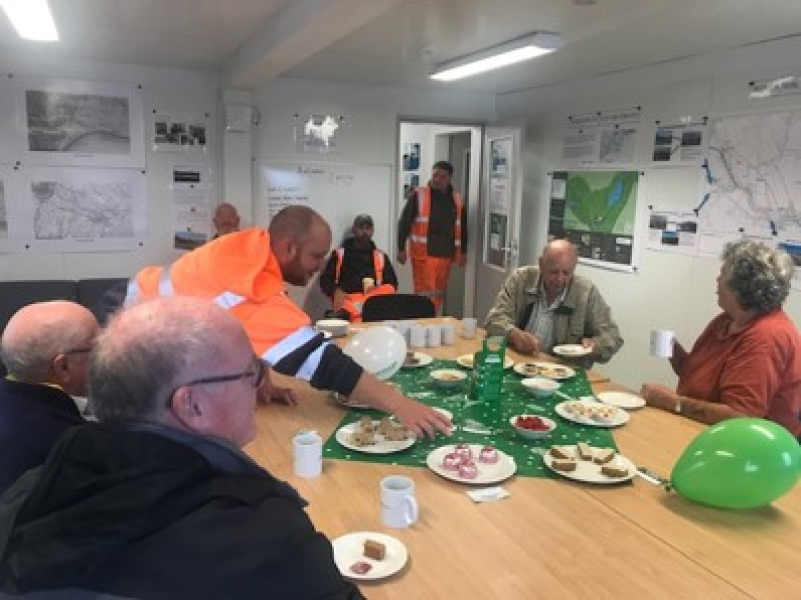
point(45, 348)
point(157, 500)
point(434, 222)
point(356, 271)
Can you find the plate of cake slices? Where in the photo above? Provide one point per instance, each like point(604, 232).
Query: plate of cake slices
point(375, 437)
point(474, 464)
point(544, 369)
point(589, 464)
point(592, 413)
point(369, 555)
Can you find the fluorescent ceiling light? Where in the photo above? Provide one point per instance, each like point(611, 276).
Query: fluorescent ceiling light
point(32, 19)
point(517, 50)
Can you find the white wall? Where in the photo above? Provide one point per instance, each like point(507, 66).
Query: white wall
point(669, 291)
point(168, 90)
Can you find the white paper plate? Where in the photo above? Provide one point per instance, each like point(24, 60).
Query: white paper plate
point(544, 369)
point(590, 472)
point(349, 549)
point(561, 409)
point(466, 361)
point(573, 350)
point(622, 400)
point(423, 360)
point(381, 445)
point(501, 470)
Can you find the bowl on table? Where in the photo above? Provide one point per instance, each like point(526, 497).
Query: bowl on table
point(532, 427)
point(448, 378)
point(540, 387)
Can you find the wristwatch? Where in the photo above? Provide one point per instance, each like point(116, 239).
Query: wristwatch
point(677, 408)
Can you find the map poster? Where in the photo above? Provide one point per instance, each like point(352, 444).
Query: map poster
point(604, 138)
point(678, 145)
point(598, 213)
point(751, 186)
point(79, 123)
point(75, 209)
point(672, 231)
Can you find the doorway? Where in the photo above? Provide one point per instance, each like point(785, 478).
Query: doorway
point(421, 145)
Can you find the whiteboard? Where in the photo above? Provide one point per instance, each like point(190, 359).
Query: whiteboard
point(338, 191)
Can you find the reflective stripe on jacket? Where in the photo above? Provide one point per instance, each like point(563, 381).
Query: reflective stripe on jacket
point(418, 239)
point(239, 273)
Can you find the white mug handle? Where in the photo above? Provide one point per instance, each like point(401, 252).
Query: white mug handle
point(412, 510)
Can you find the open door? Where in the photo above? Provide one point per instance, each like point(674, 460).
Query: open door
point(499, 219)
point(421, 145)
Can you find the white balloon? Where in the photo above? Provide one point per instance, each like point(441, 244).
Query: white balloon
point(380, 350)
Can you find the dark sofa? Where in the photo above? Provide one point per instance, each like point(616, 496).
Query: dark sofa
point(88, 292)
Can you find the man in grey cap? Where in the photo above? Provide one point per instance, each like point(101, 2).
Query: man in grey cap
point(356, 271)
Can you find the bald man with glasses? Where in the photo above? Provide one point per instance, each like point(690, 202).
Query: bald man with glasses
point(157, 500)
point(45, 348)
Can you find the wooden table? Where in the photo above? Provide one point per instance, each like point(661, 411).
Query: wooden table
point(550, 538)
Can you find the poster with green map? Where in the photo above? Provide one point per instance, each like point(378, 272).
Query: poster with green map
point(597, 211)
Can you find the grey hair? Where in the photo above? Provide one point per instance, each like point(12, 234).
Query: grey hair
point(149, 350)
point(29, 358)
point(758, 275)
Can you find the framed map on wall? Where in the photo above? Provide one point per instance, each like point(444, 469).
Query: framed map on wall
point(599, 212)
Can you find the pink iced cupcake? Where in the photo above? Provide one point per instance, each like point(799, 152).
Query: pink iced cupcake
point(468, 470)
point(488, 455)
point(464, 451)
point(452, 461)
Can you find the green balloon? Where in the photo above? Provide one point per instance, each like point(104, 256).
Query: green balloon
point(738, 463)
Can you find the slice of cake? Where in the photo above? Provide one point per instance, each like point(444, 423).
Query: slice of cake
point(564, 464)
point(614, 470)
point(374, 550)
point(584, 451)
point(603, 456)
point(561, 452)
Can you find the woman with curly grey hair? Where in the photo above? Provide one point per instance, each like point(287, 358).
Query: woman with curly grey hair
point(747, 362)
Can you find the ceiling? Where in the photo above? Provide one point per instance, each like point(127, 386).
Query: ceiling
point(397, 42)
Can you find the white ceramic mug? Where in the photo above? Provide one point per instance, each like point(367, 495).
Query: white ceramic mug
point(308, 454)
point(469, 325)
point(417, 336)
point(662, 342)
point(448, 334)
point(398, 504)
point(433, 336)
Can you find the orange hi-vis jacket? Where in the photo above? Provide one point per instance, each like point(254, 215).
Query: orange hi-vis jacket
point(354, 301)
point(418, 240)
point(239, 273)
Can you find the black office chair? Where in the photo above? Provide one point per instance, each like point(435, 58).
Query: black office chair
point(397, 306)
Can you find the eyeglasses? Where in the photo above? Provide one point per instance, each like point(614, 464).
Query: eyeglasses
point(256, 371)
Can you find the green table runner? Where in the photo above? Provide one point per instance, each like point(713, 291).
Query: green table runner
point(417, 383)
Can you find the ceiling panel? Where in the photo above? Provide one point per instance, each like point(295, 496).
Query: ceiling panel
point(398, 42)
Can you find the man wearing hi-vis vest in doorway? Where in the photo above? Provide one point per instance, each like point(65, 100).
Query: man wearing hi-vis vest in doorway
point(245, 273)
point(357, 271)
point(434, 221)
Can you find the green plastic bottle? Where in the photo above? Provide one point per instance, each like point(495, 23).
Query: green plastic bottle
point(488, 369)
